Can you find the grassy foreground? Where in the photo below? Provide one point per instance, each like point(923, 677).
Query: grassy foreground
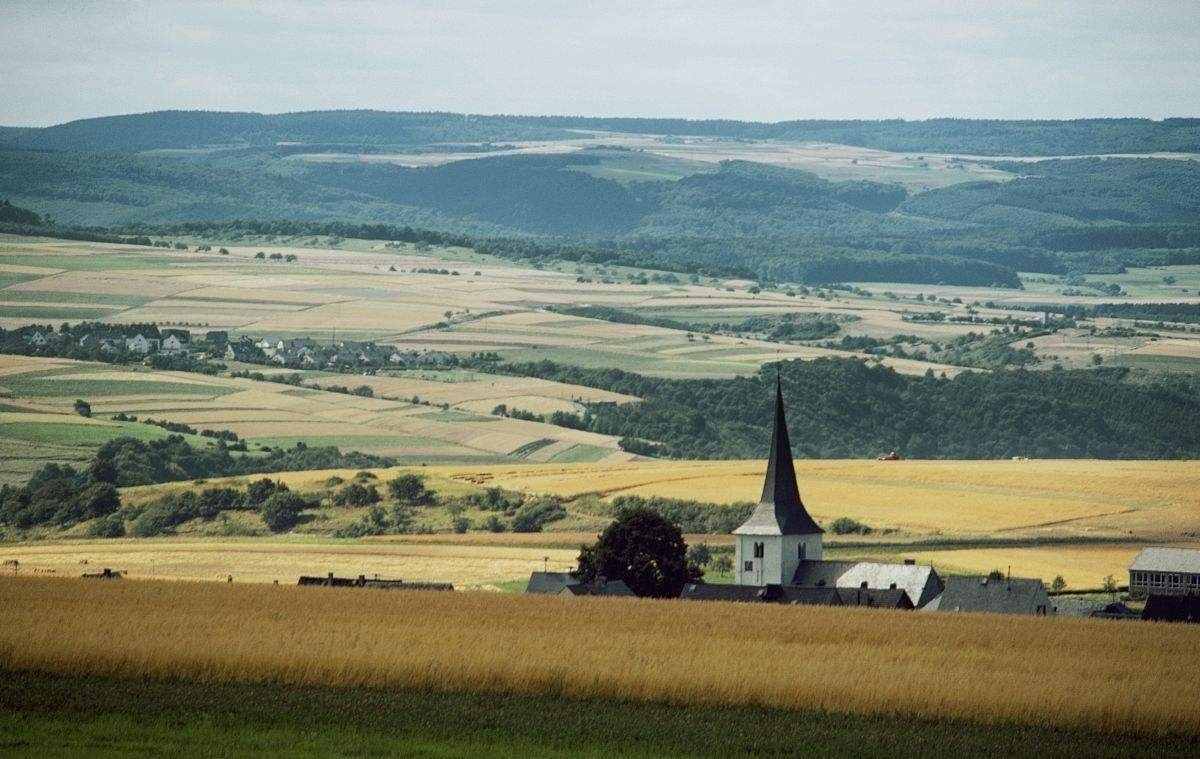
point(63, 716)
point(1087, 675)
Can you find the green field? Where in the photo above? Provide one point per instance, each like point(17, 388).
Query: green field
point(80, 435)
point(55, 312)
point(49, 387)
point(49, 715)
point(55, 296)
point(93, 262)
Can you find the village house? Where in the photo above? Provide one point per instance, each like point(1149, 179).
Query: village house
point(243, 350)
point(38, 337)
point(175, 342)
point(144, 343)
point(1010, 595)
point(1165, 571)
point(563, 584)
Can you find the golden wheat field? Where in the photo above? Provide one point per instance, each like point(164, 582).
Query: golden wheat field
point(948, 498)
point(1071, 673)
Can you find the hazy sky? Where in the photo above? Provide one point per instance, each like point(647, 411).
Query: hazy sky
point(751, 60)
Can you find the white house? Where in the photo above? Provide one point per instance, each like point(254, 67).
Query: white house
point(139, 343)
point(176, 341)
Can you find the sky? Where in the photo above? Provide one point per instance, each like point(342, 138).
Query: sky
point(763, 61)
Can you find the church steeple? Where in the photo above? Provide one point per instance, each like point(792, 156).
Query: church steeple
point(780, 510)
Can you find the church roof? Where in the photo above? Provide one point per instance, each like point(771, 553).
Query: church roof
point(780, 510)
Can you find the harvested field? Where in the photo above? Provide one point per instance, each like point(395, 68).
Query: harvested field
point(268, 561)
point(918, 497)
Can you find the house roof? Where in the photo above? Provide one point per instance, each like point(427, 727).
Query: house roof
point(1014, 595)
point(610, 588)
point(1159, 559)
point(549, 582)
point(780, 510)
point(886, 598)
point(920, 581)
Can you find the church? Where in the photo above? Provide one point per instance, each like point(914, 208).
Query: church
point(778, 551)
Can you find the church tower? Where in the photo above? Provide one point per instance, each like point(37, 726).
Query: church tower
point(780, 533)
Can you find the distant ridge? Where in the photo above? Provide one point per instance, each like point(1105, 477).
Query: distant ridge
point(199, 129)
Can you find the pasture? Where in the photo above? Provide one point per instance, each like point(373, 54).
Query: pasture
point(1073, 675)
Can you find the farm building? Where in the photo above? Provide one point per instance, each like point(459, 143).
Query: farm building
point(563, 584)
point(780, 543)
point(362, 581)
point(798, 596)
point(1014, 595)
point(1165, 571)
point(602, 588)
point(1172, 608)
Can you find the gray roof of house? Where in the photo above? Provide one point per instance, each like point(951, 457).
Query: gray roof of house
point(549, 582)
point(610, 588)
point(780, 510)
point(1167, 560)
point(920, 581)
point(886, 598)
point(1014, 595)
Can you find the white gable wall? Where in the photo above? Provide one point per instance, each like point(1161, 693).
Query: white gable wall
point(781, 555)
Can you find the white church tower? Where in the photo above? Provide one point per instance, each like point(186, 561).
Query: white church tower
point(780, 533)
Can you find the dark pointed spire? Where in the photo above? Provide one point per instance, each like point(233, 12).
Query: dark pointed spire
point(780, 510)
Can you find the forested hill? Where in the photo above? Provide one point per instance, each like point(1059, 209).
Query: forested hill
point(843, 408)
point(191, 129)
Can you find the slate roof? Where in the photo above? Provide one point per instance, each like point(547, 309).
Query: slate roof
point(610, 588)
point(780, 510)
point(920, 581)
point(703, 591)
point(549, 582)
point(1161, 608)
point(1156, 559)
point(882, 599)
point(978, 593)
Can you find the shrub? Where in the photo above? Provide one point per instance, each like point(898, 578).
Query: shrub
point(83, 408)
point(460, 525)
point(111, 526)
point(534, 515)
point(156, 520)
point(410, 488)
point(356, 494)
point(365, 475)
point(333, 481)
point(493, 524)
point(215, 500)
point(848, 526)
point(259, 491)
point(281, 512)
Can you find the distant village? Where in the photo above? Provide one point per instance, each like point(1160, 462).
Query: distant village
point(118, 343)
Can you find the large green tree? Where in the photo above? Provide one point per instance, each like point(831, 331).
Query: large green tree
point(643, 549)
